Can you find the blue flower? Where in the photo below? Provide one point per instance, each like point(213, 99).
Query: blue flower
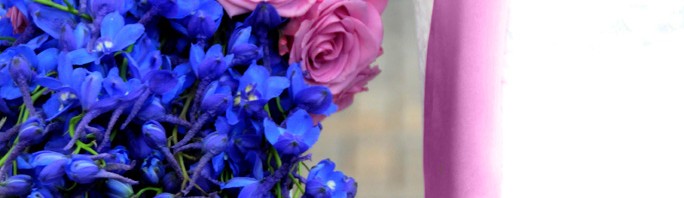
point(297, 137)
point(211, 64)
point(153, 168)
point(313, 99)
point(115, 35)
point(256, 88)
point(324, 181)
point(202, 22)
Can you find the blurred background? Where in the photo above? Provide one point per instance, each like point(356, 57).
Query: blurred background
point(379, 139)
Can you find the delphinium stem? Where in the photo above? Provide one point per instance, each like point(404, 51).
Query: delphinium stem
point(199, 92)
point(198, 170)
point(136, 108)
point(92, 114)
point(174, 164)
point(112, 121)
point(26, 94)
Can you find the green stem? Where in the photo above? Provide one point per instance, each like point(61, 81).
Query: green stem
point(4, 158)
point(157, 191)
point(64, 8)
point(277, 157)
point(278, 164)
point(7, 38)
point(14, 167)
point(280, 107)
point(123, 71)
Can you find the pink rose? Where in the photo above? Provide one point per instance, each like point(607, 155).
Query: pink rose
point(336, 42)
point(286, 8)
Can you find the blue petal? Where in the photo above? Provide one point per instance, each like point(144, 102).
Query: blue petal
point(196, 57)
point(81, 57)
point(294, 72)
point(299, 122)
point(90, 89)
point(35, 43)
point(272, 131)
point(212, 9)
point(276, 85)
point(215, 51)
point(48, 82)
point(111, 24)
point(255, 74)
point(64, 67)
point(218, 162)
point(181, 9)
point(113, 84)
point(331, 109)
point(127, 36)
point(81, 35)
point(50, 20)
point(161, 81)
point(221, 124)
point(237, 182)
point(47, 60)
point(311, 136)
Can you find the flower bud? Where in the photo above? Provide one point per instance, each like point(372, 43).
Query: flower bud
point(20, 68)
point(153, 169)
point(82, 170)
point(31, 130)
point(245, 54)
point(154, 134)
point(264, 15)
point(215, 143)
point(44, 158)
point(118, 189)
point(18, 185)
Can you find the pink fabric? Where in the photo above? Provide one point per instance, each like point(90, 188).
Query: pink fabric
point(461, 142)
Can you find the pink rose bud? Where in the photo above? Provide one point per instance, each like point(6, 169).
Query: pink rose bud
point(19, 21)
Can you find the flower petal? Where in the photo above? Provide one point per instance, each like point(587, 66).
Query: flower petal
point(127, 36)
point(111, 24)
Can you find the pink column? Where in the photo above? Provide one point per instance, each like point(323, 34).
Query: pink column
point(462, 140)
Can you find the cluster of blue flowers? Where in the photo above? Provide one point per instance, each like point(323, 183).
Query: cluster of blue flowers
point(211, 109)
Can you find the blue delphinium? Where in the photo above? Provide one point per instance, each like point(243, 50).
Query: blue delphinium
point(296, 137)
point(324, 181)
point(211, 107)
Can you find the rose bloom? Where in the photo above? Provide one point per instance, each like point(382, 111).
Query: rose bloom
point(336, 41)
point(286, 8)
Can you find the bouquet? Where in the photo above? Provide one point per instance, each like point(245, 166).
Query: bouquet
point(178, 98)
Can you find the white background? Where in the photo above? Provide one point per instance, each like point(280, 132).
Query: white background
point(594, 99)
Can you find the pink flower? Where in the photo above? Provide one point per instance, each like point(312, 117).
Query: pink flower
point(336, 42)
point(286, 8)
